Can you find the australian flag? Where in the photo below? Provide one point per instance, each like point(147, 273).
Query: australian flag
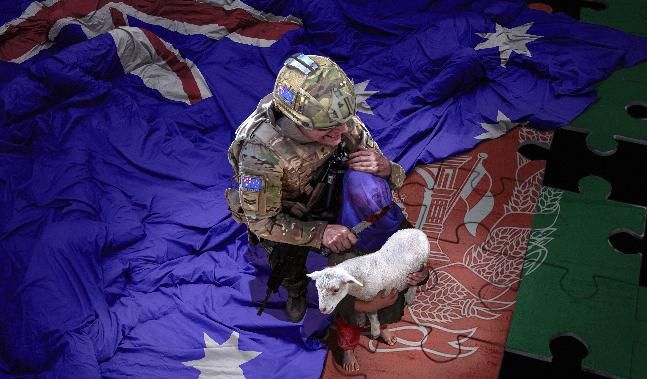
point(118, 257)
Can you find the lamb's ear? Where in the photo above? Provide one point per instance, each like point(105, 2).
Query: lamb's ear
point(314, 275)
point(348, 279)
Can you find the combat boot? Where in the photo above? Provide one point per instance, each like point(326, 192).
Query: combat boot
point(295, 306)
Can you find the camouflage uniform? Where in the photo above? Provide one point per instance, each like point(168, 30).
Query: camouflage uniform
point(283, 161)
point(275, 164)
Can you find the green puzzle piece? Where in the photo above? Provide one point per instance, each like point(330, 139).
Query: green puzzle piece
point(582, 232)
point(627, 15)
point(607, 116)
point(543, 311)
point(584, 286)
point(638, 362)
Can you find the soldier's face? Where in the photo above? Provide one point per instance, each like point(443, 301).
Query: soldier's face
point(329, 137)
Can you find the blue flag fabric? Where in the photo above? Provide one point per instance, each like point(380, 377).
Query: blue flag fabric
point(117, 255)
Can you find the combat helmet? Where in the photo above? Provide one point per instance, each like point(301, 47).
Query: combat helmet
point(314, 92)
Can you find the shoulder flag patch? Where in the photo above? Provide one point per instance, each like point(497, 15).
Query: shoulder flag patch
point(251, 183)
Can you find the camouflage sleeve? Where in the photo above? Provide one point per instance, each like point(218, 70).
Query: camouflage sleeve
point(359, 137)
point(396, 179)
point(260, 184)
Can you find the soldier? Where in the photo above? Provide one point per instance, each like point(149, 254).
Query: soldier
point(276, 156)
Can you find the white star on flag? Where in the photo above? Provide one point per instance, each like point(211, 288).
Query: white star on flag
point(361, 95)
point(222, 361)
point(508, 40)
point(503, 125)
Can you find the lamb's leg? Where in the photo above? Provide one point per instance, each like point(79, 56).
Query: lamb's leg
point(375, 324)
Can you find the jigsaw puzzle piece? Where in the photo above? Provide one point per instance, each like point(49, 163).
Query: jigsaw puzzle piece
point(583, 285)
point(569, 159)
point(627, 15)
point(608, 117)
point(605, 321)
point(582, 239)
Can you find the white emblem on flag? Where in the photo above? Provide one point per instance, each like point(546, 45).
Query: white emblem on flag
point(508, 40)
point(476, 194)
point(159, 65)
point(502, 126)
point(361, 97)
point(222, 360)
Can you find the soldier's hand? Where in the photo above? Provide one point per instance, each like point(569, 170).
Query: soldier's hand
point(338, 238)
point(370, 161)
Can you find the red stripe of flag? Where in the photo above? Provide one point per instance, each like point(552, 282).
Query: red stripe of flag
point(180, 68)
point(19, 39)
point(234, 20)
point(267, 30)
point(118, 18)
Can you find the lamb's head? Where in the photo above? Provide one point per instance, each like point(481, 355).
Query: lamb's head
point(332, 286)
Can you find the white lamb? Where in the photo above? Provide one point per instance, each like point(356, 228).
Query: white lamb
point(364, 276)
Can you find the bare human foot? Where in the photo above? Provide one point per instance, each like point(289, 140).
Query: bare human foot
point(350, 361)
point(388, 337)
